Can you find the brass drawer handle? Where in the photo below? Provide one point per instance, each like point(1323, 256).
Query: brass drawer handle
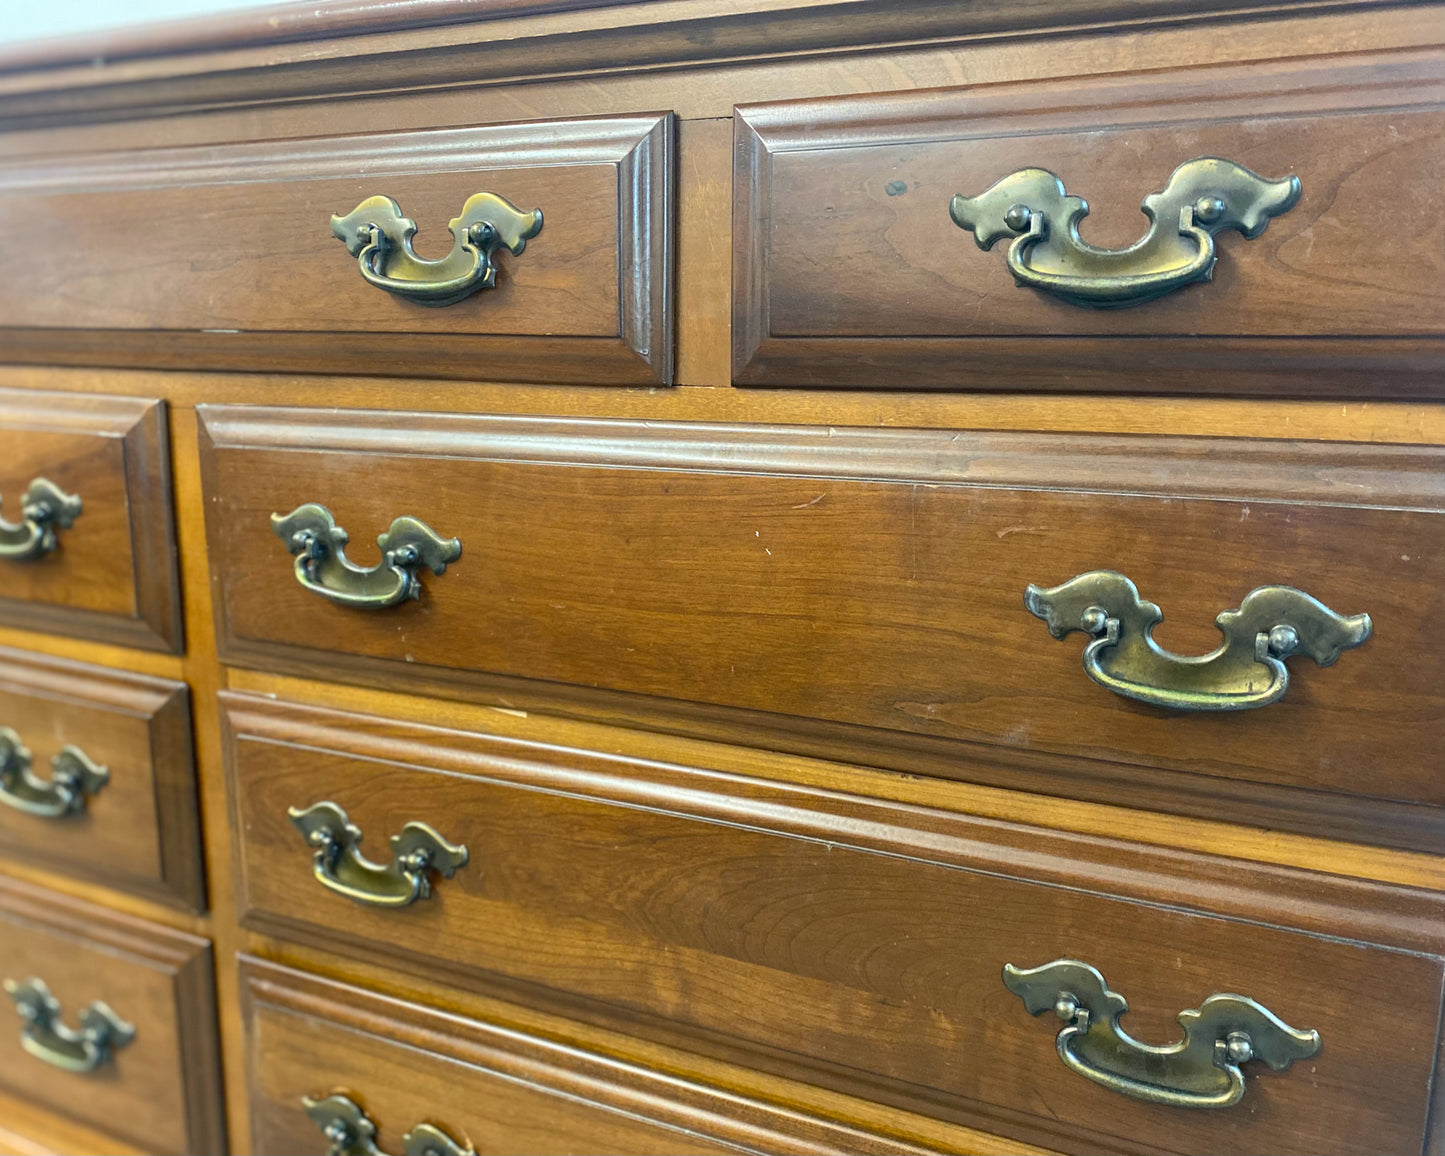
point(1200, 1071)
point(1248, 671)
point(101, 1033)
point(379, 237)
point(322, 566)
point(73, 779)
point(44, 509)
point(1203, 197)
point(351, 1132)
point(340, 866)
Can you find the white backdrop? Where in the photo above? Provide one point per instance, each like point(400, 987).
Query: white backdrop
point(37, 19)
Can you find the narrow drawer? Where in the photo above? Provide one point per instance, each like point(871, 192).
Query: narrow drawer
point(849, 271)
point(849, 942)
point(148, 1073)
point(860, 594)
point(494, 1088)
point(87, 547)
point(97, 777)
point(243, 269)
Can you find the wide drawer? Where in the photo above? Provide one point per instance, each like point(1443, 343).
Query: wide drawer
point(87, 547)
point(242, 269)
point(494, 1088)
point(859, 594)
point(850, 942)
point(148, 1073)
point(99, 780)
point(849, 271)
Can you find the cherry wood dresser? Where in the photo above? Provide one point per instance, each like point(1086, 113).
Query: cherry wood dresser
point(789, 617)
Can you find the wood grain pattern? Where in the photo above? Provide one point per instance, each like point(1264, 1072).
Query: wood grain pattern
point(240, 259)
point(114, 577)
point(26, 1130)
point(160, 1092)
point(846, 939)
point(491, 1085)
point(857, 594)
point(141, 832)
point(848, 270)
point(1260, 845)
point(650, 35)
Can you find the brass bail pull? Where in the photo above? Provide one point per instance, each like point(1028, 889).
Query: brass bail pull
point(100, 1035)
point(1200, 1071)
point(1203, 197)
point(44, 509)
point(319, 544)
point(73, 779)
point(1248, 671)
point(349, 1131)
point(380, 239)
point(339, 865)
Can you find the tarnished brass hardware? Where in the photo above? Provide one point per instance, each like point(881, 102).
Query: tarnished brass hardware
point(339, 864)
point(1248, 671)
point(379, 237)
point(351, 1132)
point(1200, 1071)
point(73, 779)
point(319, 544)
point(101, 1033)
point(44, 509)
point(1202, 197)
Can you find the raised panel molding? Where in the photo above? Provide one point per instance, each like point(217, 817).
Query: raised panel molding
point(139, 426)
point(151, 794)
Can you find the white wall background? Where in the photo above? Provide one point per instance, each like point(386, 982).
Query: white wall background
point(42, 19)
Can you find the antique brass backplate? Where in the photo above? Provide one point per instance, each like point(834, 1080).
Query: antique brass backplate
point(311, 533)
point(1202, 197)
point(351, 1132)
point(1200, 1071)
point(1272, 623)
point(340, 866)
point(44, 509)
point(379, 237)
point(73, 779)
point(100, 1035)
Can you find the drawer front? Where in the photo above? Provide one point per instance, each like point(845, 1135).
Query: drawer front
point(495, 1088)
point(131, 820)
point(99, 562)
point(157, 1089)
point(243, 270)
point(847, 941)
point(859, 594)
point(849, 271)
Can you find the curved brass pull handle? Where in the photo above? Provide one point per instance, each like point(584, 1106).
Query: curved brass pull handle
point(45, 508)
point(1200, 1071)
point(379, 237)
point(340, 866)
point(1202, 197)
point(351, 1132)
point(73, 779)
point(311, 533)
point(101, 1033)
point(1248, 671)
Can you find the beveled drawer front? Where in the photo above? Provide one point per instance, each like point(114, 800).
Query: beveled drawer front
point(137, 827)
point(491, 1087)
point(243, 270)
point(103, 566)
point(154, 1079)
point(853, 942)
point(859, 594)
point(849, 271)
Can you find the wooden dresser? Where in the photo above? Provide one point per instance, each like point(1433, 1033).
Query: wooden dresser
point(670, 659)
